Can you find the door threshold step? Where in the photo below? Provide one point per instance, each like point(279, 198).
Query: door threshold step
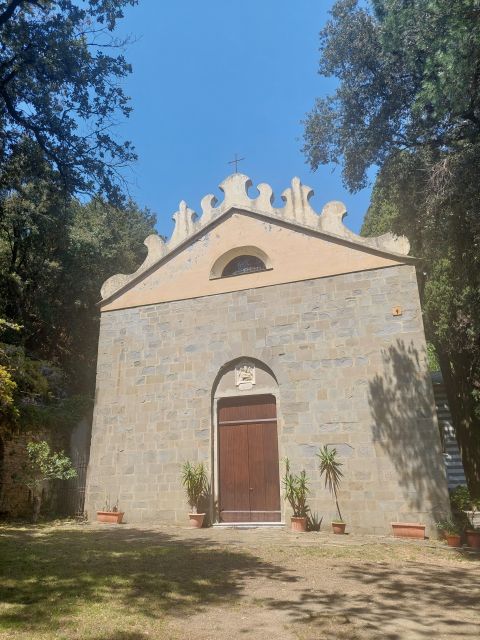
point(249, 525)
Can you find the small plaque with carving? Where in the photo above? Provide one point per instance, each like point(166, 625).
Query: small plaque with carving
point(245, 375)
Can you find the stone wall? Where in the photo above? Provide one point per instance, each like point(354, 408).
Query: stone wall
point(15, 498)
point(350, 374)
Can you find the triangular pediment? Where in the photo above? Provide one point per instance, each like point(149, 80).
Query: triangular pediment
point(299, 245)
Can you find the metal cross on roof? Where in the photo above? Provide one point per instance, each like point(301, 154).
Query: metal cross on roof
point(235, 161)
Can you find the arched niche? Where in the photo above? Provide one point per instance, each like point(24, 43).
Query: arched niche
point(244, 376)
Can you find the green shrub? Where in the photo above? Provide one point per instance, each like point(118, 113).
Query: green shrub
point(195, 482)
point(448, 526)
point(42, 465)
point(460, 502)
point(296, 491)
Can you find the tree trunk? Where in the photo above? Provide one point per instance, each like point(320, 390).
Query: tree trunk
point(336, 502)
point(459, 388)
point(37, 504)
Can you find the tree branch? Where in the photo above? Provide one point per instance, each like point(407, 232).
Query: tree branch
point(10, 10)
point(20, 120)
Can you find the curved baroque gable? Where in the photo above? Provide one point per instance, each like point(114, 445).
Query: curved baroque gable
point(296, 210)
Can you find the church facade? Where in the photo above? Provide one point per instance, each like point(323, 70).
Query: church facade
point(257, 334)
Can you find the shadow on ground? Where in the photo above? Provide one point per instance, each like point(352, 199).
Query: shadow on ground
point(382, 601)
point(54, 572)
point(129, 584)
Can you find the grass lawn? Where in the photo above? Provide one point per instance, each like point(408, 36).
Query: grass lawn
point(68, 581)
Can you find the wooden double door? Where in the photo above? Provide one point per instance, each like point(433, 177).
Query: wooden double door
point(249, 486)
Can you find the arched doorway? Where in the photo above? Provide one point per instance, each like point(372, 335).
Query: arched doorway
point(246, 451)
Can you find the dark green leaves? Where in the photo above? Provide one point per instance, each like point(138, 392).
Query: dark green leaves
point(296, 491)
point(330, 469)
point(408, 103)
point(43, 464)
point(195, 483)
point(409, 77)
point(60, 74)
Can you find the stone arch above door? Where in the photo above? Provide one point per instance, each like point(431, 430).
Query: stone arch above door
point(245, 442)
point(244, 376)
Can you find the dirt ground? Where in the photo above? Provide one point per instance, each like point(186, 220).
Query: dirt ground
point(109, 582)
point(348, 588)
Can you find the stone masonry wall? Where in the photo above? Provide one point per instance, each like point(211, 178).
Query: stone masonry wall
point(350, 374)
point(15, 498)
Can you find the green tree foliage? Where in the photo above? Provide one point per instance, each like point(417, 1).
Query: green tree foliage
point(7, 389)
point(60, 74)
point(8, 385)
point(408, 102)
point(54, 256)
point(461, 502)
point(42, 465)
point(61, 69)
point(103, 240)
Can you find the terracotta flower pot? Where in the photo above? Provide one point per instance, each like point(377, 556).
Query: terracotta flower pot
point(196, 520)
point(408, 530)
point(298, 524)
point(110, 517)
point(338, 527)
point(453, 539)
point(473, 538)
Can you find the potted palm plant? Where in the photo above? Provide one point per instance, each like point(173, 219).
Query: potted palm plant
point(195, 482)
point(296, 492)
point(330, 468)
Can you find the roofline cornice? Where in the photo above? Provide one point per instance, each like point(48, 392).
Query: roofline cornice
point(296, 214)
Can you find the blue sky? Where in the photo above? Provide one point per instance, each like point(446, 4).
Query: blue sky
point(215, 78)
